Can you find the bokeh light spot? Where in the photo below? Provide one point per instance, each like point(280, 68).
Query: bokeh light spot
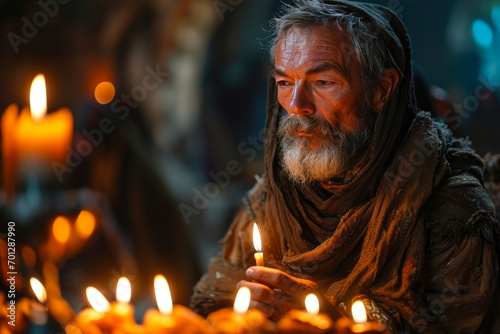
point(29, 256)
point(85, 224)
point(104, 92)
point(482, 33)
point(61, 229)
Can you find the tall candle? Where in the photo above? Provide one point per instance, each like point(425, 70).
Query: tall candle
point(257, 243)
point(39, 134)
point(33, 139)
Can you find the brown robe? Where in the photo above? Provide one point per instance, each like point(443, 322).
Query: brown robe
point(413, 234)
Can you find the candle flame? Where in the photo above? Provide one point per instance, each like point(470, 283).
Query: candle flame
point(359, 312)
point(242, 301)
point(97, 300)
point(312, 304)
point(163, 296)
point(39, 290)
point(123, 290)
point(257, 243)
point(38, 98)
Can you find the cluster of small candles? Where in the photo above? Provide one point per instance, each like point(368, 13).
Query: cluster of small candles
point(103, 317)
point(118, 317)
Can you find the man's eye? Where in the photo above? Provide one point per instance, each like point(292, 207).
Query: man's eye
point(282, 83)
point(324, 83)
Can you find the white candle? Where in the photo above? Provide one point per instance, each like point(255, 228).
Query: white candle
point(257, 244)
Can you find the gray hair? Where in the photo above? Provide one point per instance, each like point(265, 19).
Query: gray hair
point(370, 49)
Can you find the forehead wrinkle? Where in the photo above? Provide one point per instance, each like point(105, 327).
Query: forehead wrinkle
point(296, 39)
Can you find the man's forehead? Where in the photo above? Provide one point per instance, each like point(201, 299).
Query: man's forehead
point(313, 43)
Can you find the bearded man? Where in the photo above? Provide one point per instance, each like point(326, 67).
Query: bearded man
point(363, 196)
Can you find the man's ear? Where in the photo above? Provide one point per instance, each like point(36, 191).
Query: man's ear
point(386, 85)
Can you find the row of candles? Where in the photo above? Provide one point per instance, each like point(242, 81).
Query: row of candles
point(118, 317)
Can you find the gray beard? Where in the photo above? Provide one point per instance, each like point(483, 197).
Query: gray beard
point(337, 153)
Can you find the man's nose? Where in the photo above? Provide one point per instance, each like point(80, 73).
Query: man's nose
point(301, 102)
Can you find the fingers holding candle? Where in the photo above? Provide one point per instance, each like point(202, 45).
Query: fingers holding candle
point(278, 279)
point(284, 291)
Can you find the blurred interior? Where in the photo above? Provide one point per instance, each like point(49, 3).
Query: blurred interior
point(154, 193)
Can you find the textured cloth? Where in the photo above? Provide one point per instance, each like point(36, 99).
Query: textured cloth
point(413, 231)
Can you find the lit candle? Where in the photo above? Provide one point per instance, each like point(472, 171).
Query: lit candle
point(361, 323)
point(171, 318)
point(121, 312)
point(309, 321)
point(93, 320)
point(41, 134)
point(38, 314)
point(33, 139)
point(257, 244)
point(240, 319)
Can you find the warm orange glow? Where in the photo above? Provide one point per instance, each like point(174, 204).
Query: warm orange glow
point(29, 256)
point(312, 304)
point(257, 243)
point(72, 329)
point(61, 229)
point(38, 98)
point(97, 300)
point(163, 296)
point(242, 301)
point(39, 290)
point(359, 312)
point(123, 290)
point(104, 92)
point(85, 224)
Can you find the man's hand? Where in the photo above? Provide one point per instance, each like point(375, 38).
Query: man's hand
point(275, 292)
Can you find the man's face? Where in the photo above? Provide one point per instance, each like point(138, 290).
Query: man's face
point(329, 124)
